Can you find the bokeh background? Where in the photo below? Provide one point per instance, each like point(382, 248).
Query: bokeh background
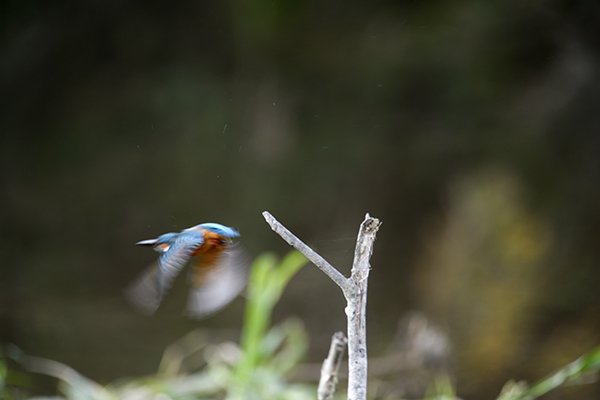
point(470, 128)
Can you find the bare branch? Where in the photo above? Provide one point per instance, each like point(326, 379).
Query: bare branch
point(356, 310)
point(355, 292)
point(331, 366)
point(309, 253)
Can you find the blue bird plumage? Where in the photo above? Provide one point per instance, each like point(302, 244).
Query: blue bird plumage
point(219, 229)
point(219, 272)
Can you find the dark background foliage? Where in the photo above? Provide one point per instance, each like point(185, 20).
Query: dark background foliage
point(470, 128)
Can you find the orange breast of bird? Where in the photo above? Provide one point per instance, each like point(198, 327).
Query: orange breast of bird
point(207, 256)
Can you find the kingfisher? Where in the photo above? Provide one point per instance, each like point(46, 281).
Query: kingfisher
point(218, 269)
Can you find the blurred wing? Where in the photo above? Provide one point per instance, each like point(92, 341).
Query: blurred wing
point(144, 293)
point(176, 257)
point(214, 288)
point(148, 291)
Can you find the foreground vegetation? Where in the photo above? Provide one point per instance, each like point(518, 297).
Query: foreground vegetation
point(258, 368)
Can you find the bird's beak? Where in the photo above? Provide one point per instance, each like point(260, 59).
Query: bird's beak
point(149, 242)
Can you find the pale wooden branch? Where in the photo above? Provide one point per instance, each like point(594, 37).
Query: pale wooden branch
point(331, 366)
point(393, 363)
point(354, 290)
point(309, 253)
point(356, 310)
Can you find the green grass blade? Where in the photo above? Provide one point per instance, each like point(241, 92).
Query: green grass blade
point(265, 287)
point(587, 364)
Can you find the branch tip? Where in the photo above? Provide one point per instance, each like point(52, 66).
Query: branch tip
point(309, 253)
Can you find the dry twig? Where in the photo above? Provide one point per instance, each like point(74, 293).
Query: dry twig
point(354, 289)
point(331, 366)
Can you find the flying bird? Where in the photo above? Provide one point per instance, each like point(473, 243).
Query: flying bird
point(218, 269)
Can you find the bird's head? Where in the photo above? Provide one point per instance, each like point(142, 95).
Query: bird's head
point(219, 229)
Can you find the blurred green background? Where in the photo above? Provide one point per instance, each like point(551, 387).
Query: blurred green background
point(470, 128)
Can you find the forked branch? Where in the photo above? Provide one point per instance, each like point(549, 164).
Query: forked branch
point(354, 289)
